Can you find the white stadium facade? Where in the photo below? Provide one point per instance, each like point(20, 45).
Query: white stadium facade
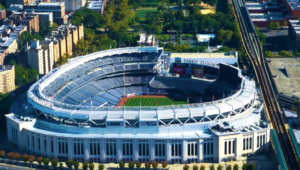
point(72, 113)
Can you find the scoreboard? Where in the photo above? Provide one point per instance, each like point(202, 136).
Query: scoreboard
point(197, 70)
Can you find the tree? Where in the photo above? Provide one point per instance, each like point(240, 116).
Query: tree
point(186, 167)
point(245, 166)
point(10, 155)
point(31, 158)
point(284, 23)
point(273, 25)
point(16, 156)
point(228, 167)
point(131, 164)
point(91, 166)
point(24, 157)
point(85, 165)
point(212, 167)
point(2, 154)
point(69, 163)
point(54, 162)
point(122, 165)
point(39, 160)
point(268, 54)
point(195, 167)
point(285, 53)
point(235, 167)
point(101, 167)
point(202, 167)
point(262, 38)
point(46, 161)
point(251, 166)
point(147, 165)
point(76, 164)
point(220, 167)
point(224, 49)
point(138, 164)
point(154, 164)
point(164, 164)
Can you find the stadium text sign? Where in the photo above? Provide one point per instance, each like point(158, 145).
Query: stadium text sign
point(190, 61)
point(40, 101)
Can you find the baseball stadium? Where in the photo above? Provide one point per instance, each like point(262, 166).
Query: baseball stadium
point(135, 104)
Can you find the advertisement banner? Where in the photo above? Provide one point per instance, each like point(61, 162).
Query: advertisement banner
point(178, 70)
point(188, 70)
point(198, 72)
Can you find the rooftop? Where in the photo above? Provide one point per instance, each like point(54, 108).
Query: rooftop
point(5, 68)
point(294, 4)
point(286, 73)
point(95, 4)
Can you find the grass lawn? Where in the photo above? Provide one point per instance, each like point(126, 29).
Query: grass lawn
point(166, 36)
point(143, 12)
point(151, 101)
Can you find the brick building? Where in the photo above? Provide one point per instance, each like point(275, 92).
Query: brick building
point(7, 78)
point(31, 20)
point(61, 41)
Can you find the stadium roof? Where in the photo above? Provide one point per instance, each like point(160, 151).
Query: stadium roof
point(202, 55)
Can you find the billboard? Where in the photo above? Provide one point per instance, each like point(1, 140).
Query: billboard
point(188, 70)
point(177, 70)
point(198, 72)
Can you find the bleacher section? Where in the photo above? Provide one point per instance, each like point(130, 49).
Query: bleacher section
point(108, 89)
point(188, 84)
point(103, 66)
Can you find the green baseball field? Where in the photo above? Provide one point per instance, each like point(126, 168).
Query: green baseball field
point(153, 101)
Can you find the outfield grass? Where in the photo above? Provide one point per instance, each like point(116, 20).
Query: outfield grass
point(143, 12)
point(151, 101)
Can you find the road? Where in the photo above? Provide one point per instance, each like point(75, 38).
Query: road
point(254, 51)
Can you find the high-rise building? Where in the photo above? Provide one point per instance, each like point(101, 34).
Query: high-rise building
point(7, 78)
point(72, 5)
point(65, 39)
point(40, 58)
point(31, 20)
point(57, 8)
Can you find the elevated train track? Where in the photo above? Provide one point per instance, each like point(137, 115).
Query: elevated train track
point(254, 51)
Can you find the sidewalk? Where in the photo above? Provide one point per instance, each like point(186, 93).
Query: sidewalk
point(263, 162)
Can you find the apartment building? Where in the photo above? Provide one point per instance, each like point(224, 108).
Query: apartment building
point(58, 10)
point(8, 39)
point(65, 39)
point(31, 20)
point(7, 78)
point(38, 57)
point(72, 5)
